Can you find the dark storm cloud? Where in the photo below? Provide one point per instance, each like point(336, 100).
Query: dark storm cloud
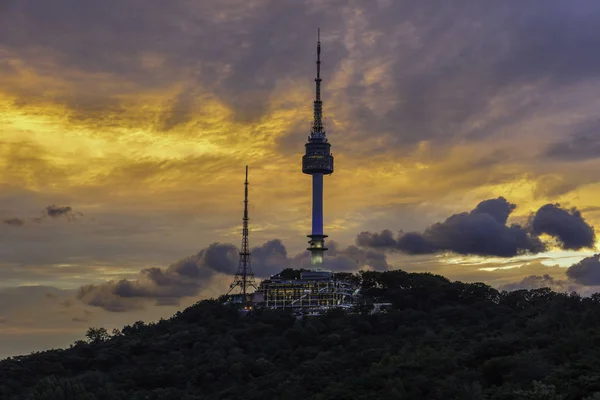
point(483, 231)
point(568, 226)
point(269, 259)
point(182, 279)
point(103, 296)
point(586, 272)
point(219, 258)
point(498, 208)
point(383, 240)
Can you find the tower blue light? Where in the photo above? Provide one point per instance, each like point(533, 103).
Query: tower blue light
point(317, 206)
point(317, 161)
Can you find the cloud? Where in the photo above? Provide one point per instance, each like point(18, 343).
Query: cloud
point(347, 259)
point(568, 226)
point(269, 258)
point(568, 285)
point(188, 276)
point(556, 184)
point(167, 301)
point(51, 211)
point(499, 209)
point(399, 53)
point(482, 231)
point(383, 240)
point(582, 277)
point(56, 211)
point(103, 296)
point(537, 282)
point(14, 221)
point(583, 144)
point(65, 303)
point(353, 258)
point(182, 279)
point(586, 272)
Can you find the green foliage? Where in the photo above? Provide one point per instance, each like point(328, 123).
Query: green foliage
point(290, 273)
point(539, 391)
point(441, 340)
point(52, 388)
point(97, 335)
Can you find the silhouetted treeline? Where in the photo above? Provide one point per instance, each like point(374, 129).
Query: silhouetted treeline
point(441, 340)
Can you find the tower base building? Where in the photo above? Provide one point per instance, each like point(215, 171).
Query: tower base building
point(314, 291)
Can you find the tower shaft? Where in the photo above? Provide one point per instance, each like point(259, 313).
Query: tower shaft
point(317, 204)
point(244, 277)
point(317, 238)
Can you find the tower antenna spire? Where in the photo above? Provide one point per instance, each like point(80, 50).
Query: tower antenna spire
point(318, 132)
point(244, 277)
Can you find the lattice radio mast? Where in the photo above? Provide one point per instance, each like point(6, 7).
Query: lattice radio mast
point(244, 277)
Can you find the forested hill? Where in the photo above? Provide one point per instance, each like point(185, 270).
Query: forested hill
point(442, 340)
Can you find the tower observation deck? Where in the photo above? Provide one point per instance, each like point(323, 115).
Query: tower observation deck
point(317, 161)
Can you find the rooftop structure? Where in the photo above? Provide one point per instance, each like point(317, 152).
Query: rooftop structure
point(314, 290)
point(317, 161)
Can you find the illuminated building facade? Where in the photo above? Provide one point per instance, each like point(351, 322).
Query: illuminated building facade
point(313, 291)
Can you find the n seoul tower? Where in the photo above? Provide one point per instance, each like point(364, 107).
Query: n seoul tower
point(317, 162)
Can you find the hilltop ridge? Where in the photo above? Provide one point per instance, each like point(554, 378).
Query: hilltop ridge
point(440, 340)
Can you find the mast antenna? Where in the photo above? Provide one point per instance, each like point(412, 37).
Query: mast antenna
point(244, 277)
point(317, 129)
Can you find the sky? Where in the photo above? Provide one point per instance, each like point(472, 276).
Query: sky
point(464, 135)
